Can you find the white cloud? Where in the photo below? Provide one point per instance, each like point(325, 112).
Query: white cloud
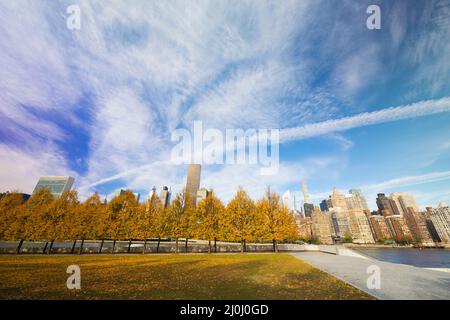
point(20, 170)
point(413, 110)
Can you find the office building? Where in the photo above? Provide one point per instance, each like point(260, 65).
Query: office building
point(165, 196)
point(440, 218)
point(193, 181)
point(56, 185)
point(202, 194)
point(308, 209)
point(340, 222)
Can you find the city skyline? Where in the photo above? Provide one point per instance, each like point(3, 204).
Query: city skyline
point(356, 108)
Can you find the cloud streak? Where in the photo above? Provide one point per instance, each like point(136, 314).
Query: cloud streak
point(418, 109)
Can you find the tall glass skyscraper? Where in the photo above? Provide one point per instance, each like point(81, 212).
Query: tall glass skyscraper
point(56, 185)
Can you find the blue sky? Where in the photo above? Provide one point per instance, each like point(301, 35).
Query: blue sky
point(358, 108)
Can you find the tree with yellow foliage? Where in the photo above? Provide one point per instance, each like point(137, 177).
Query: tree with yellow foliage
point(279, 222)
point(241, 221)
point(207, 219)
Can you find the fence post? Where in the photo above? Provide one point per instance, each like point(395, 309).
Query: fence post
point(73, 247)
point(129, 246)
point(101, 246)
point(157, 247)
point(81, 247)
point(51, 247)
point(215, 244)
point(19, 246)
point(186, 245)
point(114, 246)
point(145, 246)
point(45, 247)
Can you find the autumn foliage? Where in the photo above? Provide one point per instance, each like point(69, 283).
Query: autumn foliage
point(123, 218)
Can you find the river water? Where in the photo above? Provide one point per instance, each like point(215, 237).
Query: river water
point(424, 258)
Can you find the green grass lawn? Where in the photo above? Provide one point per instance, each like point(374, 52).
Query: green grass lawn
point(202, 276)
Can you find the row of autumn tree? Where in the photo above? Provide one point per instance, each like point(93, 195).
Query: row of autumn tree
point(44, 218)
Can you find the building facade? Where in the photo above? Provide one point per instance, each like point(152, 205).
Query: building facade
point(193, 181)
point(379, 227)
point(56, 185)
point(399, 229)
point(440, 218)
point(404, 201)
point(321, 228)
point(387, 206)
point(417, 224)
point(165, 196)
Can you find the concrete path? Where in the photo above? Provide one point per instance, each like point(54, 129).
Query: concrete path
point(398, 281)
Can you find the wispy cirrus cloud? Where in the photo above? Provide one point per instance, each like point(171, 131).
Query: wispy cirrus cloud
point(413, 110)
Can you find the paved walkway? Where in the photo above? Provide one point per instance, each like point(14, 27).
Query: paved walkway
point(398, 281)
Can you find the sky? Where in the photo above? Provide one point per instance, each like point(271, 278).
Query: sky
point(356, 108)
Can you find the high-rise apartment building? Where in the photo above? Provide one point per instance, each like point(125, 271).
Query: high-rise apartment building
point(360, 227)
point(380, 229)
point(404, 201)
point(321, 227)
point(386, 205)
point(56, 185)
point(355, 200)
point(336, 200)
point(193, 181)
point(440, 218)
point(399, 229)
point(417, 224)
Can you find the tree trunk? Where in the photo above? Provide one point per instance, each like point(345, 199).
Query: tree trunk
point(176, 245)
point(101, 246)
point(81, 246)
point(245, 245)
point(45, 247)
point(145, 246)
point(157, 247)
point(209, 246)
point(73, 247)
point(113, 247)
point(19, 246)
point(129, 247)
point(186, 246)
point(275, 247)
point(215, 245)
point(51, 247)
point(242, 246)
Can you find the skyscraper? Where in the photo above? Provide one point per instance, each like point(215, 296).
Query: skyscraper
point(193, 181)
point(305, 192)
point(165, 196)
point(56, 185)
